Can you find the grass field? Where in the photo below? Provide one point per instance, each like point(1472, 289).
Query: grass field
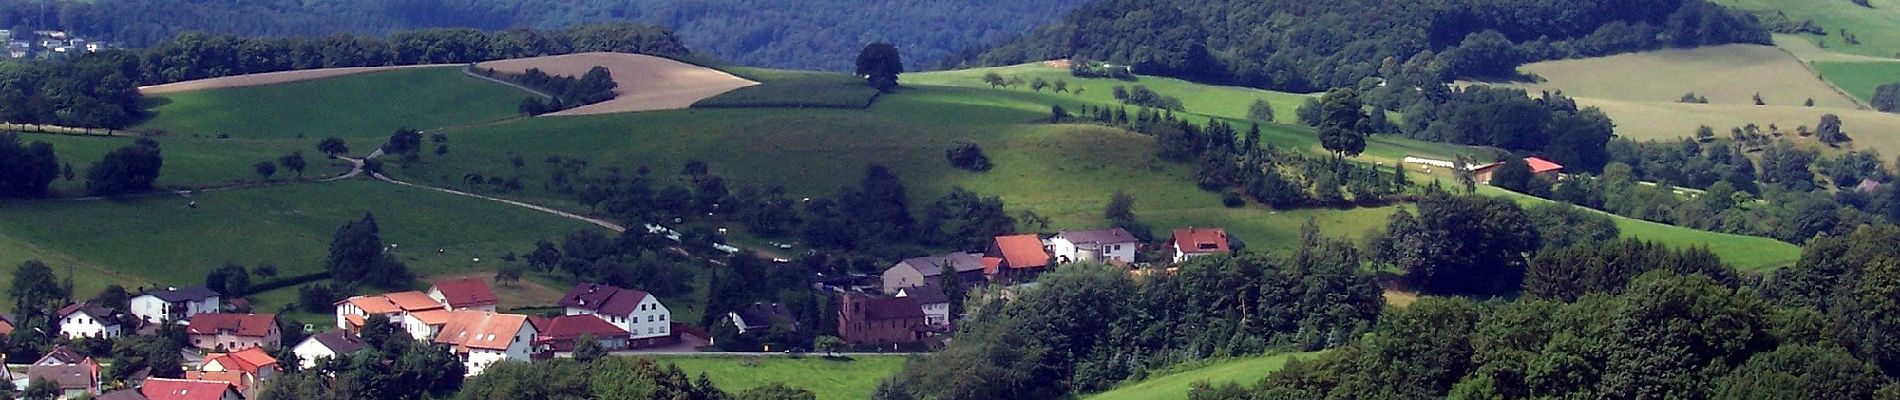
point(830, 379)
point(158, 241)
point(369, 105)
point(189, 162)
point(783, 88)
point(1175, 385)
point(1746, 253)
point(1860, 78)
point(1876, 27)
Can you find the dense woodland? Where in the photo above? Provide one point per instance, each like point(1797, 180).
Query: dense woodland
point(1307, 46)
point(802, 34)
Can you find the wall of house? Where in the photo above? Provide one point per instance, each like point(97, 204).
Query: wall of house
point(901, 276)
point(346, 309)
point(519, 349)
point(82, 325)
point(937, 313)
point(234, 342)
point(149, 308)
point(310, 351)
point(651, 320)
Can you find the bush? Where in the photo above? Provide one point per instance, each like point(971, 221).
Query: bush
point(1260, 110)
point(1232, 200)
point(969, 156)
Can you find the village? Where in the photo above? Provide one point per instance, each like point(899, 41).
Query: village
point(44, 43)
point(231, 352)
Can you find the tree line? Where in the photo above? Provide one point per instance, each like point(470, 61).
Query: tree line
point(597, 85)
point(1302, 46)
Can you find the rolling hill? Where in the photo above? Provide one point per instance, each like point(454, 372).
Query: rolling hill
point(1175, 385)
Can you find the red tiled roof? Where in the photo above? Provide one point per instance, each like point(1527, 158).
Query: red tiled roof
point(1201, 240)
point(991, 265)
point(252, 325)
point(183, 389)
point(1022, 251)
point(569, 327)
point(1539, 165)
point(466, 292)
point(250, 360)
point(234, 379)
point(481, 330)
point(604, 299)
point(413, 301)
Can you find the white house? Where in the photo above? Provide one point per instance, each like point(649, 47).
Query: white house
point(483, 338)
point(639, 313)
point(352, 312)
point(332, 344)
point(174, 304)
point(86, 320)
point(935, 303)
point(1100, 245)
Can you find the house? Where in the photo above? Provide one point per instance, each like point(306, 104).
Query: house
point(174, 304)
point(124, 394)
point(187, 389)
point(761, 316)
point(918, 270)
point(352, 312)
point(87, 320)
point(483, 338)
point(1098, 245)
point(246, 370)
point(933, 300)
point(60, 355)
point(866, 320)
point(563, 332)
point(232, 331)
point(332, 344)
point(1539, 167)
point(639, 313)
point(466, 293)
point(1017, 256)
point(75, 380)
point(424, 324)
point(1196, 242)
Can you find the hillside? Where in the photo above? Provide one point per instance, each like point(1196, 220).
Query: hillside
point(1875, 26)
point(369, 105)
point(1175, 384)
point(830, 379)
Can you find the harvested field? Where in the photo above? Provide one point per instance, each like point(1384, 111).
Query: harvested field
point(647, 83)
point(268, 78)
point(1730, 74)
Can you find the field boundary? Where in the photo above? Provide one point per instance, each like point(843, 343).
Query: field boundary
point(51, 129)
point(1805, 64)
point(470, 71)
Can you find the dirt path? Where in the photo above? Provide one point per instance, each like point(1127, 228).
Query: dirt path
point(596, 221)
point(470, 71)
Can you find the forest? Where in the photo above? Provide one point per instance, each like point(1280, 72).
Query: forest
point(803, 35)
point(1307, 46)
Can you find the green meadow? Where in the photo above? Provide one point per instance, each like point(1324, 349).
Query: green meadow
point(370, 105)
point(1879, 36)
point(1746, 253)
point(1175, 384)
point(830, 379)
point(1860, 78)
point(190, 162)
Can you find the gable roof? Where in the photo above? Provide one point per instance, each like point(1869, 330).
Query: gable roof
point(105, 315)
point(1540, 165)
point(933, 265)
point(1022, 251)
point(762, 314)
point(174, 295)
point(250, 325)
point(481, 330)
point(250, 360)
point(569, 327)
point(466, 292)
point(60, 355)
point(339, 341)
point(604, 299)
point(1103, 236)
point(928, 293)
point(122, 394)
point(389, 303)
point(184, 389)
point(234, 379)
point(889, 308)
point(1201, 240)
point(84, 375)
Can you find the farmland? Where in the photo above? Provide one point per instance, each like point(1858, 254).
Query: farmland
point(643, 82)
point(369, 105)
point(189, 162)
point(1874, 26)
point(830, 379)
point(1860, 78)
point(1175, 384)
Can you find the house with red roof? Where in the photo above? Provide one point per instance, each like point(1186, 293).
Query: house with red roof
point(866, 320)
point(352, 312)
point(1195, 242)
point(646, 320)
point(188, 389)
point(1539, 167)
point(483, 338)
point(563, 332)
point(224, 331)
point(245, 370)
point(1017, 257)
point(465, 293)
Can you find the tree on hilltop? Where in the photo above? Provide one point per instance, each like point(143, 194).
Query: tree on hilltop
point(879, 64)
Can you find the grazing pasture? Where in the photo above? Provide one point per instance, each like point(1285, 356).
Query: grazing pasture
point(1860, 78)
point(1875, 26)
point(830, 379)
point(794, 89)
point(360, 106)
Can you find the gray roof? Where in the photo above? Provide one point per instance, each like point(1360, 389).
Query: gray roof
point(1105, 236)
point(339, 341)
point(67, 376)
point(761, 315)
point(174, 295)
point(929, 293)
point(932, 265)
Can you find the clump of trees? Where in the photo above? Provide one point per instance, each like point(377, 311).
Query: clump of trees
point(594, 86)
point(1460, 244)
point(129, 169)
point(26, 169)
point(968, 155)
point(358, 256)
point(1141, 95)
point(392, 366)
point(1550, 125)
point(1260, 111)
point(1886, 98)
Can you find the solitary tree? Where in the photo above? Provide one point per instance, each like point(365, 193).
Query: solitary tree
point(1829, 131)
point(1062, 86)
point(879, 64)
point(332, 146)
point(129, 169)
point(1038, 84)
point(995, 80)
point(266, 169)
point(1342, 122)
point(1260, 111)
point(1886, 98)
point(293, 162)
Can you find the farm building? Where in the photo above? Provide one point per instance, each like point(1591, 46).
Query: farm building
point(1196, 242)
point(920, 270)
point(1539, 167)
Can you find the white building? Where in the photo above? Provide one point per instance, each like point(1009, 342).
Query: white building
point(332, 344)
point(85, 320)
point(1196, 242)
point(935, 303)
point(639, 313)
point(484, 338)
point(174, 304)
point(1100, 245)
point(351, 313)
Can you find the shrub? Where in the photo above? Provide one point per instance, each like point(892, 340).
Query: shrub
point(1232, 200)
point(967, 155)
